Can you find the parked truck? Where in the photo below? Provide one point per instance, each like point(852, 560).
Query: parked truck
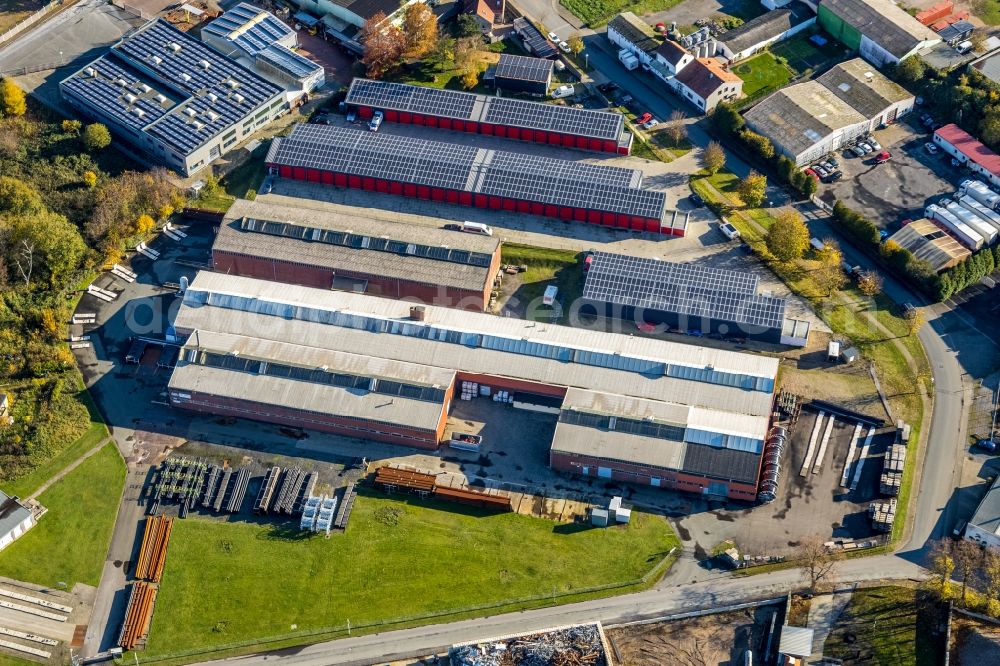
point(628, 59)
point(954, 226)
point(978, 190)
point(981, 226)
point(990, 216)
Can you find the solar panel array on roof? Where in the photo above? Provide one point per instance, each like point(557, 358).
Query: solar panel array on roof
point(221, 92)
point(288, 61)
point(416, 99)
point(523, 68)
point(463, 168)
point(682, 289)
point(484, 109)
point(118, 92)
point(249, 28)
point(533, 37)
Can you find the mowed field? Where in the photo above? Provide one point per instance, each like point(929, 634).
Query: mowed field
point(234, 582)
point(70, 542)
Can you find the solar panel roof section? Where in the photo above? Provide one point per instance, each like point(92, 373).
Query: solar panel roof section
point(288, 61)
point(692, 291)
point(103, 89)
point(250, 28)
point(481, 108)
point(523, 68)
point(416, 99)
point(220, 94)
point(463, 168)
point(533, 37)
point(564, 119)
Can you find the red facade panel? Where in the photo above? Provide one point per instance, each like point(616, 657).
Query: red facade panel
point(432, 121)
point(382, 186)
point(528, 134)
point(608, 219)
point(594, 216)
point(437, 194)
point(395, 187)
point(537, 208)
point(459, 125)
point(340, 179)
point(423, 192)
point(409, 190)
point(481, 201)
point(368, 184)
point(405, 117)
point(566, 212)
point(445, 123)
point(365, 112)
point(610, 147)
point(465, 198)
point(580, 214)
point(298, 173)
point(285, 171)
point(354, 182)
point(495, 203)
point(509, 204)
point(451, 196)
point(327, 177)
point(514, 132)
point(553, 139)
point(500, 130)
point(392, 116)
point(419, 119)
point(595, 144)
point(312, 175)
point(523, 207)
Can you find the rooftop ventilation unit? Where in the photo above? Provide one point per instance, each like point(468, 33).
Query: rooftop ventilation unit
point(233, 83)
point(198, 125)
point(130, 98)
point(239, 98)
point(161, 98)
point(122, 82)
point(212, 116)
point(157, 60)
point(139, 112)
point(145, 88)
point(191, 112)
point(213, 97)
point(174, 46)
point(91, 72)
point(185, 76)
point(204, 64)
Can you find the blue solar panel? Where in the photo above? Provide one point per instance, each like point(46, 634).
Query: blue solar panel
point(249, 28)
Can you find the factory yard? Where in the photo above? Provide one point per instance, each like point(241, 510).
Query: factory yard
point(398, 560)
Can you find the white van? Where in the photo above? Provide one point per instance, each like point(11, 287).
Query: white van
point(563, 91)
point(477, 228)
point(549, 297)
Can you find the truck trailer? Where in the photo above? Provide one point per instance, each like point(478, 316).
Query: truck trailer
point(982, 227)
point(954, 226)
point(628, 59)
point(978, 190)
point(984, 213)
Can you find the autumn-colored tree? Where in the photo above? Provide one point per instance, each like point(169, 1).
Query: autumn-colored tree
point(467, 60)
point(942, 566)
point(788, 237)
point(89, 178)
point(144, 224)
point(676, 129)
point(96, 137)
point(829, 275)
point(575, 43)
point(991, 575)
point(914, 320)
point(72, 126)
point(384, 44)
point(870, 283)
point(968, 557)
point(165, 211)
point(12, 101)
point(752, 189)
point(713, 157)
point(420, 29)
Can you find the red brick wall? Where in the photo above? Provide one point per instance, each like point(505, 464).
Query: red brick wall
point(358, 428)
point(322, 278)
point(507, 384)
point(620, 471)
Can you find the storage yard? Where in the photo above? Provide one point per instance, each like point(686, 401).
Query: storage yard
point(583, 645)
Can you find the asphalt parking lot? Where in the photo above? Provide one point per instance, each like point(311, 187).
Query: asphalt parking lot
point(900, 188)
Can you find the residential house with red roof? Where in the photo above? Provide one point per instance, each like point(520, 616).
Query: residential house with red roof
point(966, 149)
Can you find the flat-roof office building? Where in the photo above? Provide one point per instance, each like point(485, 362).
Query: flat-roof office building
point(172, 98)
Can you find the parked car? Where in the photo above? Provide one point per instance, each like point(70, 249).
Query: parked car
point(644, 118)
point(651, 123)
point(608, 87)
point(987, 445)
point(883, 157)
point(376, 121)
point(834, 176)
point(865, 147)
point(833, 160)
point(563, 91)
point(564, 47)
point(820, 170)
point(883, 235)
point(352, 116)
point(827, 165)
point(812, 173)
point(696, 200)
point(856, 151)
point(554, 37)
point(873, 143)
point(930, 148)
point(729, 231)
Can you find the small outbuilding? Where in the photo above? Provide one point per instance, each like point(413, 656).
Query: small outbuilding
point(517, 73)
point(15, 519)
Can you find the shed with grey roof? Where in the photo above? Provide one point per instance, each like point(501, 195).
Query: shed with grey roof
point(15, 519)
point(984, 526)
point(880, 30)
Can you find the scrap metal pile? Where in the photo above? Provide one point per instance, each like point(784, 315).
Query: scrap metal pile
point(580, 645)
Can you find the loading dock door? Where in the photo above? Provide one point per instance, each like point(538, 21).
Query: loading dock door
point(604, 472)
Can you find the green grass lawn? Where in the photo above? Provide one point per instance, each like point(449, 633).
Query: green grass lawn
point(885, 626)
point(988, 11)
point(802, 55)
point(563, 268)
point(70, 542)
point(598, 12)
point(398, 559)
point(762, 72)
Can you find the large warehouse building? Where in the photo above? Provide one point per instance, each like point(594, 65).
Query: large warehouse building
point(496, 116)
point(881, 31)
point(650, 292)
point(174, 99)
point(359, 254)
point(632, 409)
point(808, 120)
point(468, 176)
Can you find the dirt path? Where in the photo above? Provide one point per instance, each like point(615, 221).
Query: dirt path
point(66, 470)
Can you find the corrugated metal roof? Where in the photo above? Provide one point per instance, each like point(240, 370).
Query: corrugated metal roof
point(929, 243)
point(883, 22)
point(795, 641)
point(476, 323)
point(863, 87)
point(629, 406)
point(321, 399)
point(12, 513)
point(766, 26)
point(231, 238)
point(966, 144)
point(800, 115)
point(620, 446)
point(636, 31)
point(987, 515)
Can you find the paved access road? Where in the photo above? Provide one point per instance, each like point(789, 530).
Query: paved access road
point(377, 648)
